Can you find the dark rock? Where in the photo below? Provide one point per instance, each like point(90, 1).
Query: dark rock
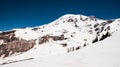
point(109, 21)
point(47, 37)
point(70, 20)
point(55, 38)
point(95, 40)
point(108, 28)
point(71, 35)
point(102, 28)
point(92, 18)
point(97, 29)
point(65, 31)
point(35, 29)
point(64, 44)
point(16, 46)
point(43, 39)
point(103, 24)
point(105, 36)
point(76, 25)
point(77, 48)
point(85, 19)
point(7, 32)
point(96, 25)
point(84, 45)
point(90, 31)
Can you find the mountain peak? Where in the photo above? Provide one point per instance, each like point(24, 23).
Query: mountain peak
point(78, 17)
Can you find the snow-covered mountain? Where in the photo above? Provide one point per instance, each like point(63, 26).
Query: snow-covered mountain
point(66, 34)
point(104, 53)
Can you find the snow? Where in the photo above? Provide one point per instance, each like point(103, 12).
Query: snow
point(26, 34)
point(105, 53)
point(1, 42)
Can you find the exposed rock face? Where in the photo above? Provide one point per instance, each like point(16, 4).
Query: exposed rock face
point(64, 44)
point(11, 44)
point(92, 18)
point(95, 40)
point(47, 37)
point(43, 39)
point(105, 36)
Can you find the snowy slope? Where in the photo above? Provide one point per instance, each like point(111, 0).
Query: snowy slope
point(64, 35)
point(105, 53)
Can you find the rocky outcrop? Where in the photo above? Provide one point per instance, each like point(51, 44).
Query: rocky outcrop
point(64, 44)
point(7, 36)
point(105, 36)
point(47, 37)
point(11, 44)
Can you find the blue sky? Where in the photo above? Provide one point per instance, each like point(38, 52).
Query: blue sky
point(22, 13)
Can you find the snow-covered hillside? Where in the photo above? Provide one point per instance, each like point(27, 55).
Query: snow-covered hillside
point(64, 35)
point(105, 53)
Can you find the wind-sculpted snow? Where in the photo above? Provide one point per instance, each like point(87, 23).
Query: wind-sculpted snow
point(66, 34)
